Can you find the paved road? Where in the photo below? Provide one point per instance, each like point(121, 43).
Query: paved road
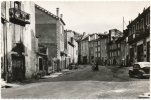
point(109, 82)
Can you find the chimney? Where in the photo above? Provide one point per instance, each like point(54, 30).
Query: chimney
point(57, 12)
point(61, 16)
point(144, 9)
point(84, 33)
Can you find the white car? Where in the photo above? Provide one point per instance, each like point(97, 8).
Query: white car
point(140, 70)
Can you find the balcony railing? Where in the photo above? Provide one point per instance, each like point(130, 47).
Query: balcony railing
point(19, 17)
point(139, 34)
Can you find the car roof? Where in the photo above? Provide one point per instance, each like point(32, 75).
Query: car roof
point(143, 64)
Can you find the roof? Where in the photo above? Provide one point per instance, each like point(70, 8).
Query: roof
point(85, 37)
point(147, 10)
point(49, 13)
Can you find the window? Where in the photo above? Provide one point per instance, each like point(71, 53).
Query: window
point(137, 26)
point(90, 44)
point(98, 54)
point(61, 29)
point(105, 41)
point(142, 23)
point(147, 19)
point(118, 45)
point(95, 43)
point(104, 47)
point(133, 28)
point(130, 31)
point(71, 39)
point(98, 48)
point(118, 53)
point(99, 42)
point(95, 54)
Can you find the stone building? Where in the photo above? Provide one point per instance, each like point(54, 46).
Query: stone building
point(84, 49)
point(19, 43)
point(93, 47)
point(139, 37)
point(50, 32)
point(78, 38)
point(98, 48)
point(123, 49)
point(71, 46)
point(103, 48)
point(113, 36)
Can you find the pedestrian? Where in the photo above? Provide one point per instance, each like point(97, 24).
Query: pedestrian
point(93, 65)
point(114, 61)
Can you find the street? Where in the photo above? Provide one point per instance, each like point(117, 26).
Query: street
point(109, 82)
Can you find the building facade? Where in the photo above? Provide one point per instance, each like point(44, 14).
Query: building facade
point(139, 37)
point(84, 49)
point(103, 48)
point(92, 45)
point(113, 47)
point(19, 43)
point(50, 32)
point(71, 46)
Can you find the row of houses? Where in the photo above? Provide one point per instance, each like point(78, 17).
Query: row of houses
point(119, 48)
point(34, 41)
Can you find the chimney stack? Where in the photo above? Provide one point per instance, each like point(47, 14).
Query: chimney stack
point(57, 12)
point(61, 16)
point(84, 33)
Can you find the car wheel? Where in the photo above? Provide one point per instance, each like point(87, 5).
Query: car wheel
point(140, 75)
point(130, 74)
point(142, 72)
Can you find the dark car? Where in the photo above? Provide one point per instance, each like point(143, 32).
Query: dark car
point(73, 66)
point(140, 70)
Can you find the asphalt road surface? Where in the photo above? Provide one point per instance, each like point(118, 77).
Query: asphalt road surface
point(109, 82)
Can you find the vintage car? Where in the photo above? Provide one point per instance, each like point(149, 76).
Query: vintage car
point(140, 70)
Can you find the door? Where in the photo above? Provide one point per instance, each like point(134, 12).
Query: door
point(40, 64)
point(18, 68)
point(140, 56)
point(148, 51)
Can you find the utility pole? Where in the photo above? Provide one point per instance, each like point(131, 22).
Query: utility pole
point(123, 23)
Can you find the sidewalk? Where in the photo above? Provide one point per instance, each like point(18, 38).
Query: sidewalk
point(57, 74)
point(4, 84)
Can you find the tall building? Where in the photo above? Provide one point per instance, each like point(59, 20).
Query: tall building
point(19, 43)
point(113, 36)
point(50, 32)
point(103, 48)
point(92, 46)
point(139, 37)
point(84, 49)
point(71, 46)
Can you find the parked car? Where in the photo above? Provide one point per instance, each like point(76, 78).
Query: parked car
point(140, 70)
point(73, 66)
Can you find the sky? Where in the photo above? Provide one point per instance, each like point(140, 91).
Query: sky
point(95, 16)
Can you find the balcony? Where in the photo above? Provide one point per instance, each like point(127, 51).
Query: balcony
point(139, 34)
point(19, 17)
